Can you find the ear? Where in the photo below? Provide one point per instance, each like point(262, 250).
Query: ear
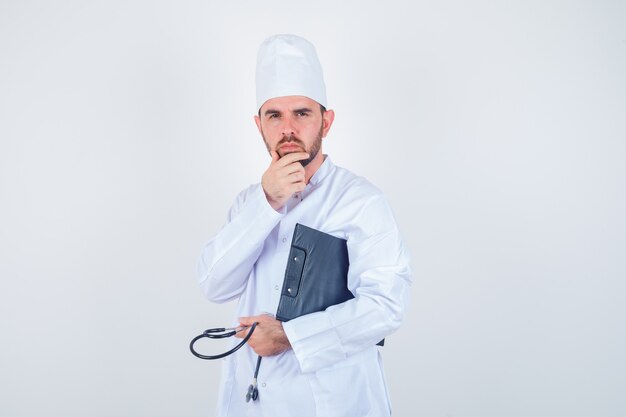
point(257, 120)
point(327, 121)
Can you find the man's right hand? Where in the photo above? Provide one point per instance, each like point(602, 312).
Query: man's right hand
point(284, 177)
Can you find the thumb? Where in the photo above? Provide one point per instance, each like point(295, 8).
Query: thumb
point(246, 321)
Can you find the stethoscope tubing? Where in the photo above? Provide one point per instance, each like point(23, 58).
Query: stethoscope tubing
point(218, 333)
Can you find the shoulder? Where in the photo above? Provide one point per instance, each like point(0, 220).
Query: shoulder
point(354, 206)
point(354, 183)
point(355, 188)
point(362, 215)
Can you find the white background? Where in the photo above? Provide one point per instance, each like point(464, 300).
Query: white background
point(496, 129)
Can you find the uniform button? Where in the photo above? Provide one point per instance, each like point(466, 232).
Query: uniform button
point(284, 239)
point(264, 385)
point(276, 287)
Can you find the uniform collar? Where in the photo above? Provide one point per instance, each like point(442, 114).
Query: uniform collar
point(322, 172)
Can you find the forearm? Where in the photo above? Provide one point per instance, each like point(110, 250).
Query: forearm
point(227, 259)
point(327, 337)
point(379, 277)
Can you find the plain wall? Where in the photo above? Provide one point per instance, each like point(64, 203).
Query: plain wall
point(496, 129)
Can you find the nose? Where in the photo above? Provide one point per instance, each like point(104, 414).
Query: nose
point(288, 128)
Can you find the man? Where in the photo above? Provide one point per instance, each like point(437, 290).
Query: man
point(322, 364)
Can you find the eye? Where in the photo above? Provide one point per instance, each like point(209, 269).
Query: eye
point(302, 114)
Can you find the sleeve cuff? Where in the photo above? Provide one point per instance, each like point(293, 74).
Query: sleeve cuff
point(314, 341)
point(257, 217)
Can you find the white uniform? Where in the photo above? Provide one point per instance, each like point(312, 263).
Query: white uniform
point(334, 368)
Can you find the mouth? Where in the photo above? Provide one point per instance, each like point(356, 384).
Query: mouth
point(290, 147)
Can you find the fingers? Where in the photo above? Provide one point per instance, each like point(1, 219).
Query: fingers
point(283, 178)
point(269, 337)
point(291, 168)
point(297, 176)
point(290, 158)
point(247, 321)
point(292, 173)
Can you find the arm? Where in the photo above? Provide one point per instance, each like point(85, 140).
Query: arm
point(380, 279)
point(227, 259)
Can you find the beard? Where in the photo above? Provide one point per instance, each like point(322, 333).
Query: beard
point(313, 151)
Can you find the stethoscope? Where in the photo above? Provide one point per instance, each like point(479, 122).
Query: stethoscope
point(222, 333)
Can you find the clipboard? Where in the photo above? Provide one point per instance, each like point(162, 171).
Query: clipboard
point(316, 276)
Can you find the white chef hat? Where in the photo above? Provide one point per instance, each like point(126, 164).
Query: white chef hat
point(287, 65)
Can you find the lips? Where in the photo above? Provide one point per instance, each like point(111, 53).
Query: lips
point(288, 147)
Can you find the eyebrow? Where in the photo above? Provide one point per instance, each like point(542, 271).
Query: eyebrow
point(271, 111)
point(303, 110)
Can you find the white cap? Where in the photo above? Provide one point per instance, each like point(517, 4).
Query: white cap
point(287, 65)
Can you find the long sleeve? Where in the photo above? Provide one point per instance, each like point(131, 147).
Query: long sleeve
point(227, 259)
point(380, 278)
point(334, 368)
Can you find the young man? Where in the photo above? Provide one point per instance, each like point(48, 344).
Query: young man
point(325, 363)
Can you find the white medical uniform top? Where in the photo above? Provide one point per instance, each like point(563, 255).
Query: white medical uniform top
point(334, 367)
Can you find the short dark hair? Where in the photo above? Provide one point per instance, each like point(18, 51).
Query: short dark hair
point(322, 109)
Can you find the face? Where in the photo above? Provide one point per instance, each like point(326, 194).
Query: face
point(294, 124)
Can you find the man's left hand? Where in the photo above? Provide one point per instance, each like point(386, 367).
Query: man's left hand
point(269, 338)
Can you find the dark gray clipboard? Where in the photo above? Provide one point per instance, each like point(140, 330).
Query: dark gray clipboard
point(316, 276)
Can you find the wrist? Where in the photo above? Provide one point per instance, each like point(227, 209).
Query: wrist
point(275, 204)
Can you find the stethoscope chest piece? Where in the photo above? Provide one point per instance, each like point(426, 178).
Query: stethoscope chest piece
point(253, 392)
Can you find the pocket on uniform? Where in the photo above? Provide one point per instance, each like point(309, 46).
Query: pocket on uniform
point(342, 391)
